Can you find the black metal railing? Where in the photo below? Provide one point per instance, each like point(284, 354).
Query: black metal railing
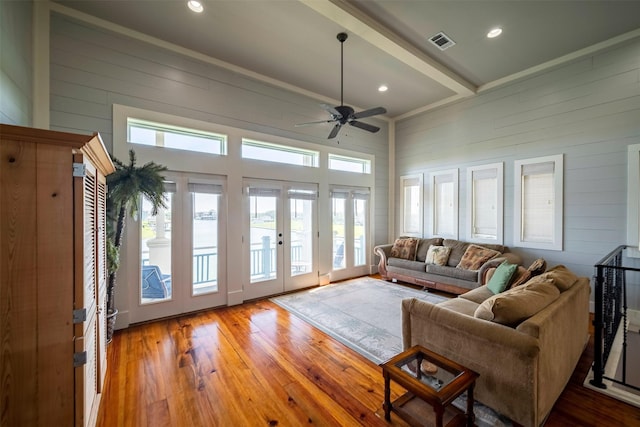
point(611, 307)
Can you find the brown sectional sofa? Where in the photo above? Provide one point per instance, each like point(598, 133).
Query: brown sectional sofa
point(523, 367)
point(447, 277)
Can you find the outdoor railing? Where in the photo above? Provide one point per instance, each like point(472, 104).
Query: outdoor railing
point(610, 312)
point(262, 259)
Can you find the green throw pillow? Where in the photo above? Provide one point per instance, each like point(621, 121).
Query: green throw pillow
point(500, 279)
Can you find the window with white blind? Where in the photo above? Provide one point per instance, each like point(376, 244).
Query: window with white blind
point(538, 202)
point(411, 205)
point(444, 206)
point(485, 201)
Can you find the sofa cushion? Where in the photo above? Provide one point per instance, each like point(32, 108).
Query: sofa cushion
point(457, 250)
point(438, 255)
point(404, 248)
point(521, 276)
point(406, 264)
point(475, 256)
point(460, 305)
point(424, 245)
point(477, 295)
point(501, 277)
point(456, 273)
point(562, 277)
point(520, 303)
point(537, 267)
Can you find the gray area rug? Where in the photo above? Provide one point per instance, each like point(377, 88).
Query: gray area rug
point(365, 314)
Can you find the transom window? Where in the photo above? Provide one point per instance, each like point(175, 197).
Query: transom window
point(349, 164)
point(270, 152)
point(163, 135)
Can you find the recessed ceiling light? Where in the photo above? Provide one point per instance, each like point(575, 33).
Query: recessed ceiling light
point(494, 32)
point(195, 6)
point(383, 88)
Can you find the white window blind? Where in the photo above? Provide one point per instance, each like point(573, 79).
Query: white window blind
point(411, 205)
point(196, 187)
point(485, 203)
point(263, 192)
point(300, 194)
point(538, 202)
point(445, 203)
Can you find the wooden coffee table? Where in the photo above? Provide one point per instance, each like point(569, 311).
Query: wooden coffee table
point(430, 389)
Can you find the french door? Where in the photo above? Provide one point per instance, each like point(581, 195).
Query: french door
point(181, 266)
point(350, 231)
point(280, 238)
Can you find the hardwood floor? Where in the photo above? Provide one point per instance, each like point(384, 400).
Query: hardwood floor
point(258, 365)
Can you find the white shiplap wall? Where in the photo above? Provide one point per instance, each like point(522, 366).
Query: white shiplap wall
point(589, 110)
point(93, 68)
point(16, 87)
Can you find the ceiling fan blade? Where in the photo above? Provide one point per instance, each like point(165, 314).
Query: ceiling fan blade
point(334, 131)
point(331, 110)
point(313, 123)
point(370, 112)
point(364, 126)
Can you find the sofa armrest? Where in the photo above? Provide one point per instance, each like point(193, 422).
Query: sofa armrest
point(506, 359)
point(510, 257)
point(383, 252)
point(562, 329)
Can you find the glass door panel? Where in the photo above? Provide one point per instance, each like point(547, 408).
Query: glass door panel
point(155, 252)
point(338, 230)
point(263, 237)
point(359, 235)
point(301, 238)
point(205, 243)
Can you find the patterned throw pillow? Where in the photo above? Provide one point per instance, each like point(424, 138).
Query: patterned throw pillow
point(475, 256)
point(438, 255)
point(404, 248)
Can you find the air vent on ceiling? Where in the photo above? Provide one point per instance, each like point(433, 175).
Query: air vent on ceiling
point(442, 41)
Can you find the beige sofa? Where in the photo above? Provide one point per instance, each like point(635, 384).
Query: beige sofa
point(523, 367)
point(447, 277)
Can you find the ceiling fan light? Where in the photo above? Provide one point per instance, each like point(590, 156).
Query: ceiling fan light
point(495, 32)
point(195, 5)
point(383, 88)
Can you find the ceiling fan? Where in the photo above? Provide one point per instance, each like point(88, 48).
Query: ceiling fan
point(343, 114)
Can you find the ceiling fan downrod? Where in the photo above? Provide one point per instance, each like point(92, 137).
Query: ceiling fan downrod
point(341, 38)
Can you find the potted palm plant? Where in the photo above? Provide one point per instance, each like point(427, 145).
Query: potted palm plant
point(125, 187)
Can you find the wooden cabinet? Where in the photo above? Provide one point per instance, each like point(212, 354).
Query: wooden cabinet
point(52, 276)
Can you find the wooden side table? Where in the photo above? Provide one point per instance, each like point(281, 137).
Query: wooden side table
point(432, 382)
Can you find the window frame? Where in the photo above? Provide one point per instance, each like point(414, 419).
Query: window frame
point(556, 243)
point(472, 205)
point(163, 128)
point(365, 163)
point(434, 176)
point(407, 181)
point(313, 155)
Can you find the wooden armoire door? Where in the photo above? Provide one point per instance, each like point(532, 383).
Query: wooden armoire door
point(52, 276)
point(90, 192)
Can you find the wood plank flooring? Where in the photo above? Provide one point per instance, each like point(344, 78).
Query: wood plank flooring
point(258, 365)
